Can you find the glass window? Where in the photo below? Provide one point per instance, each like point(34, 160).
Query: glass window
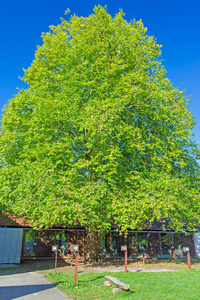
point(115, 243)
point(31, 241)
point(39, 243)
point(142, 242)
point(105, 244)
point(177, 243)
point(170, 240)
point(138, 243)
point(166, 243)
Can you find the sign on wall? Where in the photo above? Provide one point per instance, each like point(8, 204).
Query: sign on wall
point(74, 248)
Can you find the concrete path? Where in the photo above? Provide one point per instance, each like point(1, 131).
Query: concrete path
point(28, 286)
point(121, 269)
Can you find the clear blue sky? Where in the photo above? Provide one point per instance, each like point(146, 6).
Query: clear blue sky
point(174, 23)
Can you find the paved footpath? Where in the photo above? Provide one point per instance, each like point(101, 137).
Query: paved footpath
point(28, 286)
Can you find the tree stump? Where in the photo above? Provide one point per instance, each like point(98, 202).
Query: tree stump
point(107, 283)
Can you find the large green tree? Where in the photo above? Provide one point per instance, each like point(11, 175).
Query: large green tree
point(99, 133)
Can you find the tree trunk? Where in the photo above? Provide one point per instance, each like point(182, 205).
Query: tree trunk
point(93, 244)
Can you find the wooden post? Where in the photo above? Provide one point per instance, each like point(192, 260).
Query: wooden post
point(56, 258)
point(39, 242)
point(136, 243)
point(160, 242)
point(23, 242)
point(148, 245)
point(126, 261)
point(188, 259)
point(76, 268)
point(84, 243)
point(143, 257)
point(174, 254)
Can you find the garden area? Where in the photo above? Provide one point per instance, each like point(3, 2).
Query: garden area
point(156, 279)
point(143, 285)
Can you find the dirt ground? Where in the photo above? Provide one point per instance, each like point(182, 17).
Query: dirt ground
point(109, 265)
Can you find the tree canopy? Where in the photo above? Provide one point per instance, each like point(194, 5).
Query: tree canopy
point(100, 132)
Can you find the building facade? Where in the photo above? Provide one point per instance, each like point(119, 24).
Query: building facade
point(29, 243)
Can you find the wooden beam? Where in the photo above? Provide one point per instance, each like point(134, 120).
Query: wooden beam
point(39, 242)
point(23, 242)
point(118, 283)
point(136, 243)
point(160, 242)
point(110, 243)
point(83, 243)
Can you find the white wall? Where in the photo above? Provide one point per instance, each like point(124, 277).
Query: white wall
point(197, 243)
point(10, 245)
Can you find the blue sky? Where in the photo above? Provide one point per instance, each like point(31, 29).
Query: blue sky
point(174, 23)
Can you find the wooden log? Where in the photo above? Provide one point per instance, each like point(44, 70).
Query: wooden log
point(117, 290)
point(107, 283)
point(118, 283)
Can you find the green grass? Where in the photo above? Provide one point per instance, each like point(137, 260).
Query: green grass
point(181, 285)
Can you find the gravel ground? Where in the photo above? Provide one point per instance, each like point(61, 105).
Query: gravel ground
point(45, 266)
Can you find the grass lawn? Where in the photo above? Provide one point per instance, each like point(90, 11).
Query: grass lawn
point(160, 285)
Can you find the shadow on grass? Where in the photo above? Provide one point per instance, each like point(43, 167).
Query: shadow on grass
point(131, 292)
point(80, 280)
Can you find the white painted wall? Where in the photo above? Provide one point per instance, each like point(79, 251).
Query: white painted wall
point(197, 243)
point(10, 245)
